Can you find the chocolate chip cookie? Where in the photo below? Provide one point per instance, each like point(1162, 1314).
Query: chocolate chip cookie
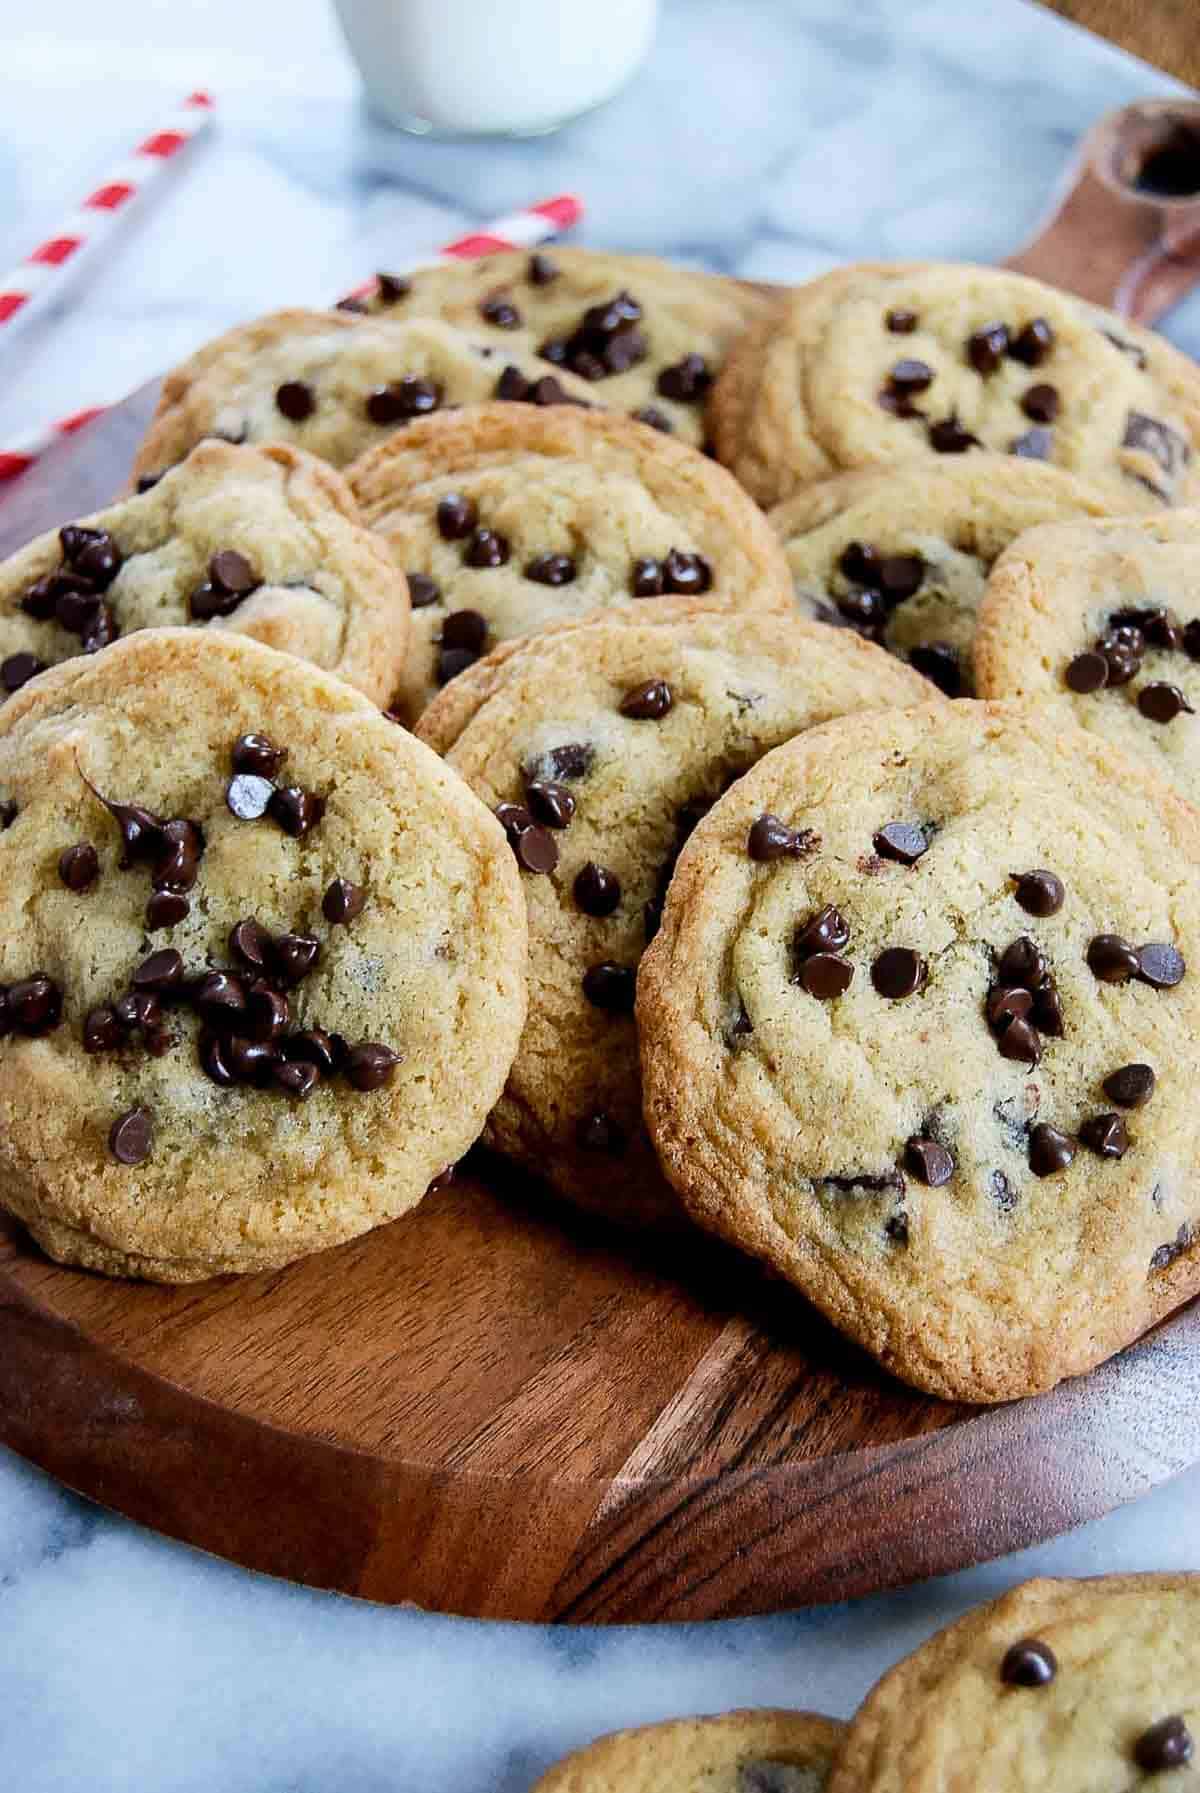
point(336, 385)
point(876, 365)
point(265, 542)
point(902, 554)
point(600, 745)
point(754, 1751)
point(1106, 618)
point(1074, 1685)
point(936, 1070)
point(506, 518)
point(648, 337)
point(262, 960)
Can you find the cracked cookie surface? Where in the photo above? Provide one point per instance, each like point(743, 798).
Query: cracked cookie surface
point(933, 1072)
point(755, 1751)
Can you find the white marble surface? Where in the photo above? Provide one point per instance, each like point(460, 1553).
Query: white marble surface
point(770, 136)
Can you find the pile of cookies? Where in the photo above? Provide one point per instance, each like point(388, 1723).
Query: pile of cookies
point(799, 837)
point(1073, 1685)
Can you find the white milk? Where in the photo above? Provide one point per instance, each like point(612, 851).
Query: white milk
point(494, 66)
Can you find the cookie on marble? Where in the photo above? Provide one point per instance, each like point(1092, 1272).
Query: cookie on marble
point(509, 517)
point(262, 960)
point(647, 336)
point(758, 1750)
point(1105, 616)
point(902, 554)
point(871, 366)
point(936, 1071)
point(600, 745)
point(335, 385)
point(264, 542)
point(1074, 1685)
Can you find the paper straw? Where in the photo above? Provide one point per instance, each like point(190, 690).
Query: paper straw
point(517, 230)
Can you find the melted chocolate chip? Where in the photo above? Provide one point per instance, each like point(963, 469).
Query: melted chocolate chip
point(826, 931)
point(648, 702)
point(1050, 1151)
point(550, 803)
point(898, 972)
point(295, 810)
point(295, 400)
point(1166, 1745)
point(1160, 965)
point(987, 347)
point(1032, 344)
point(456, 517)
point(79, 866)
point(1029, 1663)
point(1039, 893)
point(904, 842)
point(948, 436)
point(343, 901)
point(1112, 959)
point(597, 891)
point(770, 839)
point(1160, 702)
point(826, 975)
point(131, 1138)
point(535, 847)
point(1087, 672)
point(1131, 1086)
point(422, 590)
point(610, 987)
point(929, 1162)
point(551, 569)
point(572, 759)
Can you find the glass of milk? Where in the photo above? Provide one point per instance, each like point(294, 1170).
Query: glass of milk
point(474, 68)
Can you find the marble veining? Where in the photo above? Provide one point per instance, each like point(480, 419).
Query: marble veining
point(768, 137)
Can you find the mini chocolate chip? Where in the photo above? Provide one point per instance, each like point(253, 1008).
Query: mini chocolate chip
point(938, 661)
point(1160, 702)
point(453, 660)
point(1022, 963)
point(860, 563)
point(512, 384)
point(688, 575)
point(1166, 1745)
point(465, 629)
point(1033, 445)
point(535, 848)
point(257, 754)
point(79, 866)
point(131, 1138)
point(1039, 893)
point(610, 987)
point(648, 702)
point(1105, 1135)
point(1160, 965)
point(486, 548)
point(598, 1132)
point(267, 1011)
point(1130, 1086)
point(294, 956)
point(929, 1162)
point(901, 576)
point(102, 1031)
point(769, 839)
point(314, 1046)
point(898, 972)
point(296, 810)
point(548, 391)
point(597, 891)
point(371, 1066)
point(1032, 344)
point(1029, 1663)
point(948, 436)
point(456, 517)
point(498, 309)
point(686, 381)
point(826, 931)
point(646, 579)
point(1112, 959)
point(295, 400)
point(1008, 1002)
point(901, 322)
point(210, 600)
point(343, 901)
point(177, 862)
point(165, 909)
point(550, 803)
point(93, 554)
point(907, 377)
point(1087, 672)
point(248, 796)
point(987, 347)
point(391, 288)
point(1041, 403)
point(902, 841)
point(233, 572)
point(422, 590)
point(163, 970)
point(33, 1005)
point(1050, 1150)
point(250, 942)
point(18, 669)
point(551, 569)
point(826, 975)
point(296, 1077)
point(541, 270)
point(1021, 1041)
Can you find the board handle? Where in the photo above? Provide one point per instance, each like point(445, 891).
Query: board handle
point(1125, 231)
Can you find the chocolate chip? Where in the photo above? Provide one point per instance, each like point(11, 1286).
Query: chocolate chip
point(550, 803)
point(610, 987)
point(343, 901)
point(598, 1132)
point(1105, 1135)
point(1041, 403)
point(232, 572)
point(102, 1031)
point(131, 1138)
point(248, 796)
point(296, 1078)
point(165, 909)
point(250, 942)
point(209, 600)
point(1033, 445)
point(147, 481)
point(295, 810)
point(929, 1162)
point(267, 1011)
point(314, 1046)
point(686, 381)
point(1166, 1745)
point(456, 517)
point(1087, 672)
point(686, 574)
point(901, 322)
point(1112, 959)
point(1029, 1663)
point(987, 347)
point(900, 576)
point(948, 436)
point(250, 1061)
point(1160, 965)
point(295, 400)
point(572, 759)
point(163, 970)
point(826, 931)
point(177, 861)
point(211, 1050)
point(826, 975)
point(908, 377)
point(452, 661)
point(498, 309)
point(512, 384)
point(1021, 1041)
point(92, 553)
point(403, 399)
point(902, 841)
point(138, 1008)
point(938, 662)
point(769, 839)
point(1191, 639)
point(1131, 1086)
point(648, 702)
point(534, 846)
point(486, 548)
point(220, 996)
point(1049, 1151)
point(656, 419)
point(1039, 893)
point(33, 1005)
point(1160, 702)
point(294, 956)
point(465, 629)
point(1158, 440)
point(18, 669)
point(79, 866)
point(646, 580)
point(1022, 963)
point(898, 972)
point(422, 590)
point(551, 569)
point(541, 270)
point(391, 288)
point(548, 391)
point(1032, 344)
point(257, 754)
point(1047, 1011)
point(597, 891)
point(1007, 1002)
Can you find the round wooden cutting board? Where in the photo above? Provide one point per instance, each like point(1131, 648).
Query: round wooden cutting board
point(492, 1408)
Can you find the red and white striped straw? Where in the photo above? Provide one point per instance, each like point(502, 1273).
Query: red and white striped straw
point(516, 230)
